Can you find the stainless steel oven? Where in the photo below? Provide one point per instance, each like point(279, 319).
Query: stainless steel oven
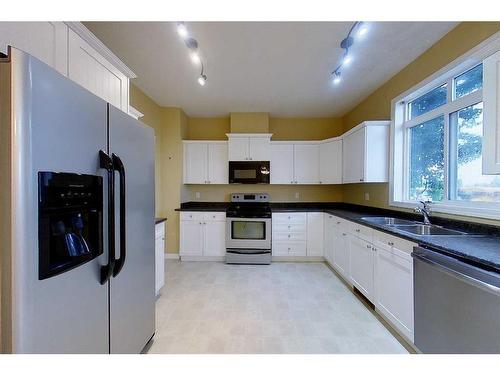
point(249, 172)
point(248, 231)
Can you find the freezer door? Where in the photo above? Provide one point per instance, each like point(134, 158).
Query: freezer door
point(132, 289)
point(57, 126)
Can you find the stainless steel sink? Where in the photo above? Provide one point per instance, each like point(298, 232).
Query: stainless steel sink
point(382, 220)
point(428, 230)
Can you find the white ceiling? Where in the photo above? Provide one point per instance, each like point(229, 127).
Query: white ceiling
point(278, 67)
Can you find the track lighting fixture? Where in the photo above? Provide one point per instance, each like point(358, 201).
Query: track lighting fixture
point(192, 45)
point(346, 43)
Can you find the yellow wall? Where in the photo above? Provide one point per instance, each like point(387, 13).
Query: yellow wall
point(377, 106)
point(249, 122)
point(278, 193)
point(170, 125)
point(304, 129)
point(208, 128)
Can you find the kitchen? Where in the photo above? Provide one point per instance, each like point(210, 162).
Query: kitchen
point(359, 215)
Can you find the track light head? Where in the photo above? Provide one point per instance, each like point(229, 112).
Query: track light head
point(202, 79)
point(182, 30)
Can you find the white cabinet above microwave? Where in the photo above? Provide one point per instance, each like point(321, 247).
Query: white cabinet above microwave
point(249, 147)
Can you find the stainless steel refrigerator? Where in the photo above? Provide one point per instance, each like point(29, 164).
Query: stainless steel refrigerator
point(77, 217)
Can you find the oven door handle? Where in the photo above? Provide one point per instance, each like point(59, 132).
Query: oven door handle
point(248, 252)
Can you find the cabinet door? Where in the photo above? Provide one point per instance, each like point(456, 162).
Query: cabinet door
point(215, 238)
point(259, 148)
point(491, 114)
point(394, 288)
point(362, 266)
point(330, 162)
point(195, 163)
point(282, 163)
point(159, 263)
point(191, 242)
point(91, 70)
point(217, 163)
point(341, 251)
point(315, 234)
point(306, 163)
point(353, 157)
point(47, 41)
point(238, 149)
point(328, 237)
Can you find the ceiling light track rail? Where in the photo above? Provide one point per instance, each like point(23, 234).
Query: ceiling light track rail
point(192, 45)
point(359, 28)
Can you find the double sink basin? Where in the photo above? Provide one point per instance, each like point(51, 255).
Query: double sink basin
point(412, 227)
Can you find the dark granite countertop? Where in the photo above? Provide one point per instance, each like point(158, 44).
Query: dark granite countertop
point(159, 220)
point(481, 246)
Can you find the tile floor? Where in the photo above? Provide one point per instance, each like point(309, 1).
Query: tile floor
point(211, 307)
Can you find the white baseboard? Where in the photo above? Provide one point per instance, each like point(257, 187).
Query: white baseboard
point(171, 256)
point(297, 259)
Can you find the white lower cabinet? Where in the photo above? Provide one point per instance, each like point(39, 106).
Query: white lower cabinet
point(328, 237)
point(289, 234)
point(202, 234)
point(361, 269)
point(159, 256)
point(315, 234)
point(341, 250)
point(394, 287)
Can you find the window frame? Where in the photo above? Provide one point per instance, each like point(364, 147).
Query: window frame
point(400, 124)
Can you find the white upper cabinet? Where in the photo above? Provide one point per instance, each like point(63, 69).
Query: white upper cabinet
point(306, 163)
point(491, 114)
point(249, 147)
point(75, 52)
point(195, 163)
point(46, 41)
point(366, 153)
point(205, 162)
point(218, 165)
point(281, 163)
point(91, 70)
point(330, 162)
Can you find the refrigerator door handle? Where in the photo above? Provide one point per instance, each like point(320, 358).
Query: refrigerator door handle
point(118, 166)
point(105, 162)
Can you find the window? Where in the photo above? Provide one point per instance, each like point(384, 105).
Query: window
point(438, 138)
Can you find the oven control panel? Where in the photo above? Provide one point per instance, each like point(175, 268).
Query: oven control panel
point(249, 197)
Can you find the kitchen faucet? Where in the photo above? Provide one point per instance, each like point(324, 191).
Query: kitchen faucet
point(425, 210)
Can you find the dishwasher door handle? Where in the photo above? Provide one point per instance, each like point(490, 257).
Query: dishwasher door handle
point(451, 267)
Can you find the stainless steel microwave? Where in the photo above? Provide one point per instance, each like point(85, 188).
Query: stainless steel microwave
point(249, 172)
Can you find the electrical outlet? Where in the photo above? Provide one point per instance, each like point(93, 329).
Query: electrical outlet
point(198, 195)
point(367, 196)
point(297, 195)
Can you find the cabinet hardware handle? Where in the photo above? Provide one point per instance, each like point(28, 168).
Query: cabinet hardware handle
point(344, 234)
point(368, 247)
point(390, 243)
point(374, 249)
point(338, 222)
point(357, 230)
point(361, 179)
point(291, 182)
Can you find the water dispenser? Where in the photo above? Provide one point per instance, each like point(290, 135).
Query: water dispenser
point(70, 224)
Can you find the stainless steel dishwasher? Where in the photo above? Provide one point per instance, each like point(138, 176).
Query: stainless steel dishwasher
point(457, 305)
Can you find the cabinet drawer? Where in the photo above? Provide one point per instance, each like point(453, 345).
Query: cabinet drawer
point(361, 231)
point(284, 236)
point(289, 227)
point(215, 216)
point(160, 230)
point(290, 217)
point(289, 248)
point(388, 241)
point(192, 216)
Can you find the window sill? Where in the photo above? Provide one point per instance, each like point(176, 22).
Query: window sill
point(479, 209)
